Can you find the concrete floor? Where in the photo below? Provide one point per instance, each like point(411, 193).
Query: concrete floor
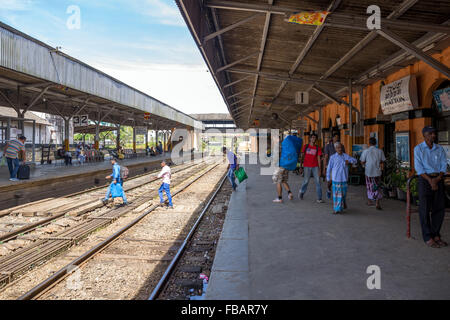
point(299, 250)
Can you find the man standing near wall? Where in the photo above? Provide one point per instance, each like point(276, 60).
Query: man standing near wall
point(430, 162)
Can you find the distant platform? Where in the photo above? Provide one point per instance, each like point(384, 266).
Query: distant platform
point(58, 180)
point(300, 250)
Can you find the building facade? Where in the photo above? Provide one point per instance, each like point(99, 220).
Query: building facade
point(397, 130)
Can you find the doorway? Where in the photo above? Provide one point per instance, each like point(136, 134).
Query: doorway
point(389, 138)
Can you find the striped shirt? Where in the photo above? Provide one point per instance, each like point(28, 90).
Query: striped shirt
point(14, 146)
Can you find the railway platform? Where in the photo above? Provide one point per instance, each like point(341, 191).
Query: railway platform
point(299, 250)
point(50, 171)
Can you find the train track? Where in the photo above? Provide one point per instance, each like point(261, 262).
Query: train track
point(43, 248)
point(117, 242)
point(88, 203)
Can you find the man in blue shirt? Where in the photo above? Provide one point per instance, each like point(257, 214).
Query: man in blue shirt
point(116, 178)
point(430, 162)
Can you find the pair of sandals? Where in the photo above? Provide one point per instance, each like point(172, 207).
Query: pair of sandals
point(436, 243)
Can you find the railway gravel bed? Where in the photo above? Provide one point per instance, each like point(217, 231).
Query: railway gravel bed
point(193, 269)
point(38, 249)
point(142, 251)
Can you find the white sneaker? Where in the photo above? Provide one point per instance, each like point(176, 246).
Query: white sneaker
point(278, 200)
point(14, 179)
point(320, 201)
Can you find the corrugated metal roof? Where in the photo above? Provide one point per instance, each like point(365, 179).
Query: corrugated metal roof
point(27, 55)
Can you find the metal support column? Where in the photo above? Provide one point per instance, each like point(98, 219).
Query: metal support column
point(146, 138)
point(134, 138)
point(97, 135)
point(66, 133)
point(118, 136)
point(164, 140)
point(361, 111)
point(34, 142)
point(319, 127)
point(350, 104)
point(8, 130)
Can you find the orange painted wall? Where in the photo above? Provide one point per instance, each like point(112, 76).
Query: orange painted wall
point(428, 79)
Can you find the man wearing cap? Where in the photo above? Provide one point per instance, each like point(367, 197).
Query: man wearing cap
point(430, 163)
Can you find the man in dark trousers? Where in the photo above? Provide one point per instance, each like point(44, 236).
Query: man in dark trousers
point(430, 162)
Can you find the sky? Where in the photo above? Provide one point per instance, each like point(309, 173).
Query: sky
point(143, 43)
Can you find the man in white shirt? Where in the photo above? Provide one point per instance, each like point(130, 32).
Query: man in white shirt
point(373, 159)
point(165, 186)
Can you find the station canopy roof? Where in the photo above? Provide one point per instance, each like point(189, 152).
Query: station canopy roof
point(47, 80)
point(259, 60)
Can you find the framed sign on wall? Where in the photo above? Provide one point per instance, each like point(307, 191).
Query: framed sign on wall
point(402, 148)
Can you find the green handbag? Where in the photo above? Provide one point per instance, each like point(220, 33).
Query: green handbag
point(240, 174)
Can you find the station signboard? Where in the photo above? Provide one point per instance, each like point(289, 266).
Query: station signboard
point(81, 120)
point(141, 131)
point(399, 96)
point(300, 124)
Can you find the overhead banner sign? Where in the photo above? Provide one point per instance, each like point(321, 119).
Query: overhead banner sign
point(315, 18)
point(399, 96)
point(300, 124)
point(81, 121)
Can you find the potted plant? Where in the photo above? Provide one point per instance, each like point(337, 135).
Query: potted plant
point(386, 186)
point(401, 178)
point(390, 176)
point(413, 189)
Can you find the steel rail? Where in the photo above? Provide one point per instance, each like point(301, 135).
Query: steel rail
point(16, 263)
point(157, 290)
point(28, 228)
point(62, 273)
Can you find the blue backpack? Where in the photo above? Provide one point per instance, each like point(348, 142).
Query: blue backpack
point(290, 148)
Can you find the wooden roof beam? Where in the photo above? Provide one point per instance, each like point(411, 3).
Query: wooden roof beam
point(277, 77)
point(340, 19)
point(230, 27)
point(236, 82)
point(236, 62)
point(332, 97)
point(412, 49)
